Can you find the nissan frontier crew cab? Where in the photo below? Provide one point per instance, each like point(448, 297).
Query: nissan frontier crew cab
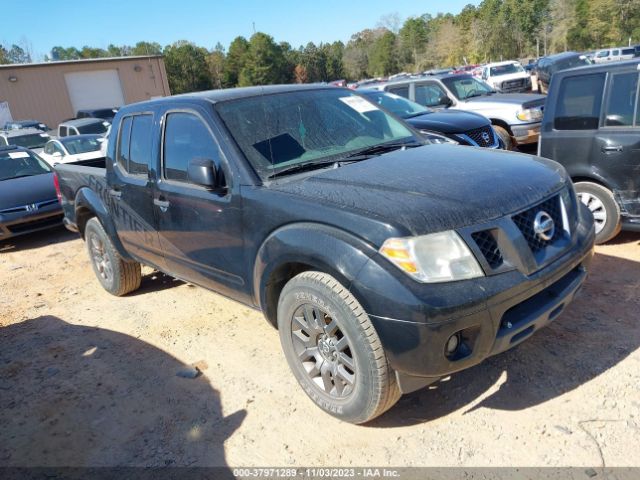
point(386, 263)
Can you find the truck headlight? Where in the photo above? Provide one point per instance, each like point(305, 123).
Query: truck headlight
point(437, 137)
point(434, 258)
point(529, 114)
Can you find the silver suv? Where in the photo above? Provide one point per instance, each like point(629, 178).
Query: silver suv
point(515, 117)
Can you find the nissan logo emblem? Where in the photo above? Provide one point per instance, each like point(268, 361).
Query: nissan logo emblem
point(544, 226)
point(485, 136)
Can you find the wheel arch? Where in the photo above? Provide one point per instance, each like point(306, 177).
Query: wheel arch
point(288, 252)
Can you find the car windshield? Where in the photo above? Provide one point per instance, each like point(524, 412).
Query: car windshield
point(18, 163)
point(98, 127)
point(396, 104)
point(464, 87)
point(505, 69)
point(290, 129)
point(32, 140)
point(75, 145)
point(104, 113)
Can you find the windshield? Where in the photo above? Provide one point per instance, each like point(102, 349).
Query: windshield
point(75, 145)
point(466, 86)
point(294, 128)
point(505, 69)
point(21, 164)
point(396, 104)
point(98, 127)
point(33, 140)
point(572, 62)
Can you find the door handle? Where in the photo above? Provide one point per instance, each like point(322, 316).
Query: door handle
point(115, 193)
point(617, 148)
point(163, 204)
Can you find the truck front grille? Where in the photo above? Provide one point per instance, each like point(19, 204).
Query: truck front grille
point(489, 248)
point(525, 222)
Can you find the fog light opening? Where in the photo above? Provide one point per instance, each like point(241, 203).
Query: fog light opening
point(452, 344)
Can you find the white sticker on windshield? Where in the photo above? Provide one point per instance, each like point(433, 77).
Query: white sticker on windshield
point(359, 104)
point(18, 155)
point(46, 135)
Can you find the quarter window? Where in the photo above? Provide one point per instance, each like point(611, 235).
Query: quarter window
point(186, 138)
point(401, 91)
point(579, 102)
point(622, 100)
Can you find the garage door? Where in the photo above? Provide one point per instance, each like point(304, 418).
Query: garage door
point(97, 89)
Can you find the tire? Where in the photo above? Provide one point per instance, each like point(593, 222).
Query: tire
point(606, 211)
point(506, 138)
point(116, 275)
point(333, 350)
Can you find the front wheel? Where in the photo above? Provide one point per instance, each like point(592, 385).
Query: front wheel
point(333, 350)
point(606, 212)
point(116, 275)
point(506, 138)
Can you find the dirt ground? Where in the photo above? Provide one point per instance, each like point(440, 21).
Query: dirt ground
point(90, 379)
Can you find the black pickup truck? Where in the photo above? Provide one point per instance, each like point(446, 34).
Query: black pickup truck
point(386, 263)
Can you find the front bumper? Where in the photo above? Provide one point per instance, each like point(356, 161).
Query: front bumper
point(526, 133)
point(21, 223)
point(490, 314)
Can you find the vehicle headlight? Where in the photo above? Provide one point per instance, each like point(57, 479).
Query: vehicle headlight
point(529, 114)
point(434, 258)
point(437, 137)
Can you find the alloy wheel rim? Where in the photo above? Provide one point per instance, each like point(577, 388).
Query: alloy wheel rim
point(323, 351)
point(100, 258)
point(596, 207)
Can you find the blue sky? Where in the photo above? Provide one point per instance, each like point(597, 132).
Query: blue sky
point(47, 23)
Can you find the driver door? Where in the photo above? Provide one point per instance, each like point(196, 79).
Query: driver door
point(431, 94)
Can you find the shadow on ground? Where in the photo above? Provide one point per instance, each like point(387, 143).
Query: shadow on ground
point(597, 331)
point(39, 239)
point(79, 396)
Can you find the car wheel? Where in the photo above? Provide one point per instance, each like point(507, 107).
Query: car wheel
point(506, 138)
point(606, 212)
point(333, 350)
point(116, 275)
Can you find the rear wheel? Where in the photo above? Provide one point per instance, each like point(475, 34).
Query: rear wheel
point(606, 212)
point(506, 138)
point(333, 350)
point(116, 275)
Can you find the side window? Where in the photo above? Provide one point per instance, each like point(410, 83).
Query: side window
point(578, 104)
point(622, 100)
point(48, 148)
point(186, 138)
point(429, 94)
point(401, 91)
point(615, 53)
point(63, 131)
point(140, 145)
point(124, 135)
point(56, 147)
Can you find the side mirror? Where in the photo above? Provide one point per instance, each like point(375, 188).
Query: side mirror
point(444, 100)
point(202, 171)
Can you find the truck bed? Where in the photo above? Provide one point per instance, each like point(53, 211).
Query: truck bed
point(74, 177)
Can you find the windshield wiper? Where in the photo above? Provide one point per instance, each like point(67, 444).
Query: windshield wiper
point(380, 149)
point(303, 167)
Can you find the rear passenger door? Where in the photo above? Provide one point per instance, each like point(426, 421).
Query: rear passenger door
point(618, 141)
point(430, 94)
point(200, 229)
point(131, 188)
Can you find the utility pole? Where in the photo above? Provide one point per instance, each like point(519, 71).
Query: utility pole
point(254, 27)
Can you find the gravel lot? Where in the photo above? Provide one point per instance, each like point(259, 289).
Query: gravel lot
point(90, 379)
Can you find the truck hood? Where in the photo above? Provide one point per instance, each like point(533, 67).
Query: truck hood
point(448, 121)
point(433, 188)
point(509, 76)
point(26, 190)
point(501, 100)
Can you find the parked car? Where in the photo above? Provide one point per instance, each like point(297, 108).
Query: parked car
point(548, 66)
point(507, 77)
point(592, 126)
point(82, 126)
point(515, 116)
point(31, 138)
point(385, 263)
point(21, 124)
point(74, 148)
point(101, 113)
point(614, 54)
point(446, 126)
point(28, 200)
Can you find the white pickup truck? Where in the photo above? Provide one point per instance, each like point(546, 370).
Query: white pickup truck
point(507, 77)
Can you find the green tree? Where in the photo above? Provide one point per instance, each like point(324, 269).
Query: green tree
point(216, 62)
point(265, 63)
point(17, 54)
point(4, 58)
point(382, 59)
point(146, 48)
point(187, 69)
point(413, 38)
point(235, 61)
